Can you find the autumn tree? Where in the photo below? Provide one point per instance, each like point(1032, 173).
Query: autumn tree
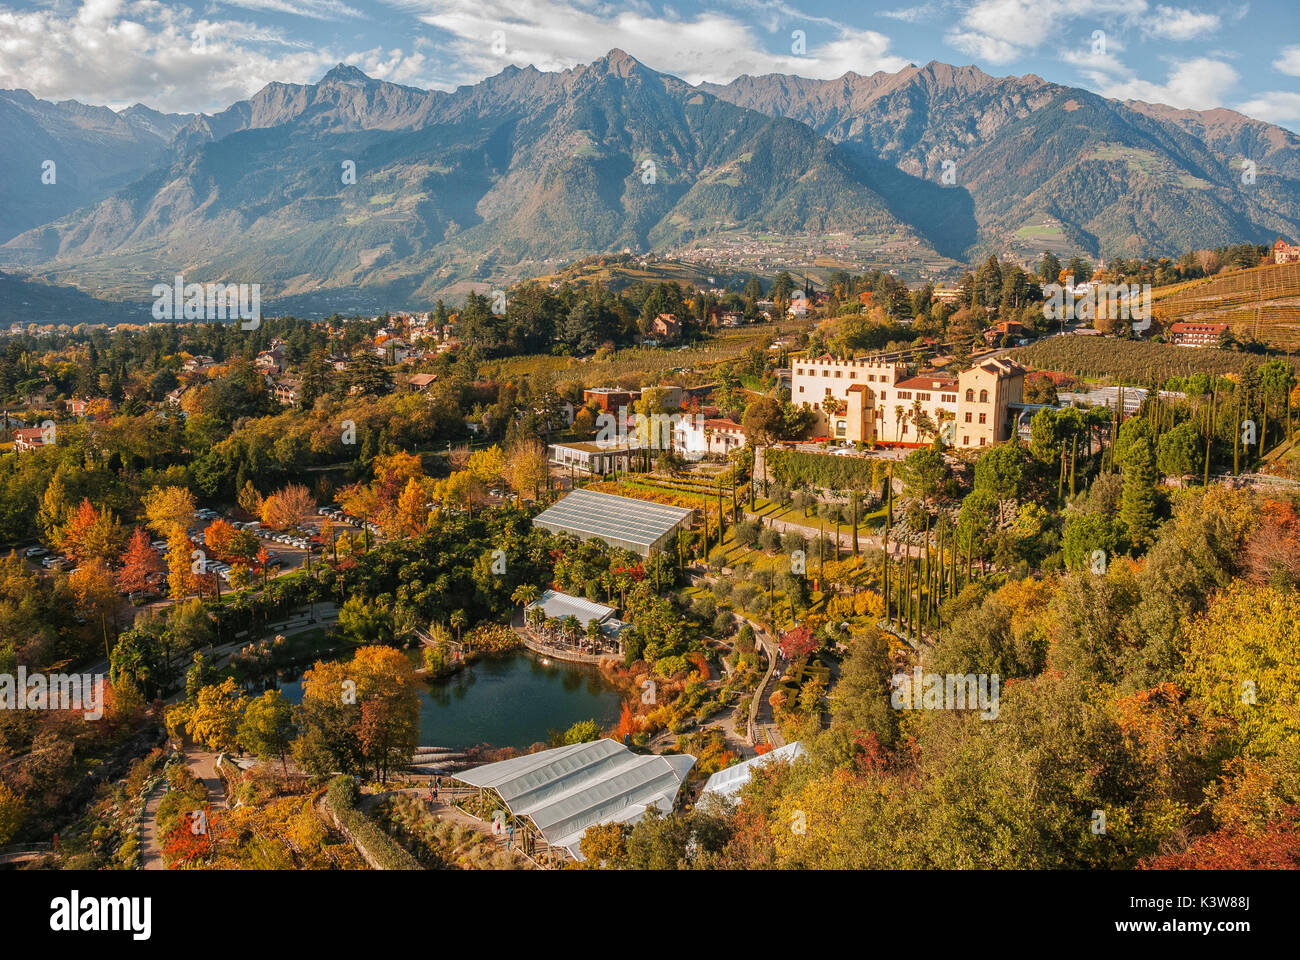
point(288, 506)
point(91, 533)
point(138, 562)
point(224, 541)
point(486, 466)
point(166, 508)
point(250, 501)
point(604, 844)
point(215, 719)
point(526, 466)
point(411, 518)
point(1241, 662)
point(334, 734)
point(93, 588)
point(12, 813)
point(180, 576)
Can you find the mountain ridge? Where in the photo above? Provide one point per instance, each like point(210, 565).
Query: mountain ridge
point(529, 167)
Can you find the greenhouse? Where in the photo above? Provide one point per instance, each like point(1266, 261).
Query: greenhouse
point(640, 526)
point(727, 783)
point(555, 795)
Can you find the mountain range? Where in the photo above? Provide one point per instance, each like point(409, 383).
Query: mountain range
point(356, 185)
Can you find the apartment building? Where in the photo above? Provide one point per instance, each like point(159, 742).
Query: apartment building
point(871, 400)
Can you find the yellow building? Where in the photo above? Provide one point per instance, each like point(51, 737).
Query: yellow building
point(865, 401)
point(985, 392)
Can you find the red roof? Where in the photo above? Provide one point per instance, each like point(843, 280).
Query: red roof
point(1184, 327)
point(935, 382)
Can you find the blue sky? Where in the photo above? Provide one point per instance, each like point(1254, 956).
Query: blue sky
point(205, 55)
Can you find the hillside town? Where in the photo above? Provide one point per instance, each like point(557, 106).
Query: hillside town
point(762, 503)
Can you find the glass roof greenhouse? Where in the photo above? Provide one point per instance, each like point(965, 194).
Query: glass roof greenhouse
point(727, 783)
point(636, 525)
point(565, 790)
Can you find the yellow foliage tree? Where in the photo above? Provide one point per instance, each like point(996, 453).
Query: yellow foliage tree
point(411, 518)
point(214, 721)
point(93, 587)
point(1243, 662)
point(166, 508)
point(180, 576)
point(525, 467)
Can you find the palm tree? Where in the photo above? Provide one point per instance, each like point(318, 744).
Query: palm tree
point(898, 419)
point(457, 620)
point(571, 627)
point(525, 594)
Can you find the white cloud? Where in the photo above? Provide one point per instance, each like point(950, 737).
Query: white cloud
point(921, 14)
point(555, 35)
point(1002, 30)
point(313, 9)
point(983, 47)
point(1276, 106)
point(1288, 61)
point(1174, 23)
point(395, 66)
point(1095, 61)
point(159, 54)
point(1197, 84)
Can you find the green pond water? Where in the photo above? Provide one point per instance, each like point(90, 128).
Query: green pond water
point(508, 701)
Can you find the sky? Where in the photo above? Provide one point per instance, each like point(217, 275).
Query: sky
point(202, 56)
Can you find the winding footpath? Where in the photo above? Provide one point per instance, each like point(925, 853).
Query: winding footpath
point(204, 767)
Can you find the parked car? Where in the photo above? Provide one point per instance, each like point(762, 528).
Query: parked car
point(159, 545)
point(36, 551)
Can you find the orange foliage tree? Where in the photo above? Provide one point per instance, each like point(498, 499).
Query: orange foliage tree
point(91, 533)
point(288, 506)
point(138, 562)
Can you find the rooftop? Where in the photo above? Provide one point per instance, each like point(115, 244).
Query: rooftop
point(928, 382)
point(560, 605)
point(636, 525)
point(565, 790)
point(728, 782)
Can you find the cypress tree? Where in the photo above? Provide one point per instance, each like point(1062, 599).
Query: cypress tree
point(1074, 450)
point(1138, 502)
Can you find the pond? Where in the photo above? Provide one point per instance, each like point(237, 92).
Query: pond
point(507, 701)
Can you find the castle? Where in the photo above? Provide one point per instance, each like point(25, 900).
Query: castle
point(875, 401)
